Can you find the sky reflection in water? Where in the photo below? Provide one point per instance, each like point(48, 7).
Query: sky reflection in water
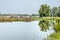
point(22, 31)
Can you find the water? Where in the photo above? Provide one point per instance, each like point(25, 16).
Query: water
point(22, 31)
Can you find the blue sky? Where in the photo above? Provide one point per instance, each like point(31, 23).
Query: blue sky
point(25, 6)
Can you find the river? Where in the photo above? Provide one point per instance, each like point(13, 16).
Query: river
point(22, 31)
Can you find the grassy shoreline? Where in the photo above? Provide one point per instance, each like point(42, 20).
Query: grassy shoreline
point(7, 19)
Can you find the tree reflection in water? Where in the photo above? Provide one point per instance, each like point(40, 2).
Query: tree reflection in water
point(44, 25)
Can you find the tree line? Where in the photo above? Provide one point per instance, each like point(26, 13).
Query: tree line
point(46, 11)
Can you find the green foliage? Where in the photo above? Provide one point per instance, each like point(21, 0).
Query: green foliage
point(54, 11)
point(44, 25)
point(54, 36)
point(58, 14)
point(57, 27)
point(44, 10)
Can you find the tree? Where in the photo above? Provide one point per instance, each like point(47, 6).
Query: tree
point(44, 10)
point(58, 14)
point(54, 11)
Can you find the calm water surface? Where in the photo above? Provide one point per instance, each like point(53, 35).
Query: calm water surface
point(22, 31)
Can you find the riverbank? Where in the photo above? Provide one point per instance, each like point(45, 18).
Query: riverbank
point(9, 19)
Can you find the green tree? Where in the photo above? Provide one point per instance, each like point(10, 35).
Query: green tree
point(54, 11)
point(44, 10)
point(58, 14)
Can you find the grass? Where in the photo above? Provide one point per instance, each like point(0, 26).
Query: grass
point(8, 19)
point(50, 18)
point(54, 36)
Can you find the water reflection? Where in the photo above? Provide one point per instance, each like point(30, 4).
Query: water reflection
point(44, 25)
point(22, 31)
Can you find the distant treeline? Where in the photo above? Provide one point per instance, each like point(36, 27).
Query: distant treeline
point(17, 17)
point(46, 11)
point(18, 14)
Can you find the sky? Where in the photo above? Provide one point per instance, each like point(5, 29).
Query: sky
point(25, 6)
